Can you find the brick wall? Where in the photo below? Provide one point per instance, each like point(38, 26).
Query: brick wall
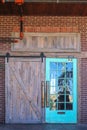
point(45, 24)
point(9, 24)
point(83, 91)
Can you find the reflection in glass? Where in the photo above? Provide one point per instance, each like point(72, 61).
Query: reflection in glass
point(69, 74)
point(69, 85)
point(69, 106)
point(53, 90)
point(69, 66)
point(61, 95)
point(61, 82)
point(61, 86)
point(53, 106)
point(67, 98)
point(53, 74)
point(69, 70)
point(60, 106)
point(53, 77)
point(53, 102)
point(61, 70)
point(61, 90)
point(61, 98)
point(53, 65)
point(67, 90)
point(70, 98)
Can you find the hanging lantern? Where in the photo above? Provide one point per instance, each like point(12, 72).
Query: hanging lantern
point(3, 1)
point(19, 2)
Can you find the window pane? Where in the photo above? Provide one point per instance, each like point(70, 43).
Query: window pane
point(60, 106)
point(53, 101)
point(53, 106)
point(69, 86)
point(69, 106)
point(61, 82)
point(69, 70)
point(53, 65)
point(69, 98)
point(61, 70)
point(61, 98)
point(53, 78)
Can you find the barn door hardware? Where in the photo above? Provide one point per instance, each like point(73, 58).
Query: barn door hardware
point(12, 56)
point(42, 56)
point(7, 55)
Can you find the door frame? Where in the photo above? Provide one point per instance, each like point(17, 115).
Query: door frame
point(76, 92)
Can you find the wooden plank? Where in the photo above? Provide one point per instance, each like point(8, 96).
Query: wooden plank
point(46, 9)
point(25, 59)
point(6, 91)
point(48, 42)
point(24, 85)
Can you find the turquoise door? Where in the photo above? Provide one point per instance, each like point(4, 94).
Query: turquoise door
point(61, 90)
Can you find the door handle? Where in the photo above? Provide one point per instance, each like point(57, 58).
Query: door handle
point(43, 94)
point(47, 93)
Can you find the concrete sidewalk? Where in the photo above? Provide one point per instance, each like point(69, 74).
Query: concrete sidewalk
point(43, 127)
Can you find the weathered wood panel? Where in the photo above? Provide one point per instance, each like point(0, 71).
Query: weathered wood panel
point(48, 42)
point(23, 90)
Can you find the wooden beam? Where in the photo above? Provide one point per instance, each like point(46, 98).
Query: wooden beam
point(46, 9)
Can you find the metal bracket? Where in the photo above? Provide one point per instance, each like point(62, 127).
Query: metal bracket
point(42, 56)
point(7, 55)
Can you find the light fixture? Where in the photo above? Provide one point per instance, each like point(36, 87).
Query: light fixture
point(19, 2)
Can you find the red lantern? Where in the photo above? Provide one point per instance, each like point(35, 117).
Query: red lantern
point(3, 1)
point(19, 2)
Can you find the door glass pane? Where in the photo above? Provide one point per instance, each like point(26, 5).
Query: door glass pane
point(53, 65)
point(69, 106)
point(69, 98)
point(69, 85)
point(53, 82)
point(53, 106)
point(61, 82)
point(61, 98)
point(61, 70)
point(61, 86)
point(61, 106)
point(69, 70)
point(53, 101)
point(53, 77)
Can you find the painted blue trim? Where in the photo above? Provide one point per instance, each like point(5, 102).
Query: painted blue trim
point(70, 116)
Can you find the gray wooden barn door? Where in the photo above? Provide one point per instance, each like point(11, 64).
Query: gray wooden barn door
point(23, 90)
